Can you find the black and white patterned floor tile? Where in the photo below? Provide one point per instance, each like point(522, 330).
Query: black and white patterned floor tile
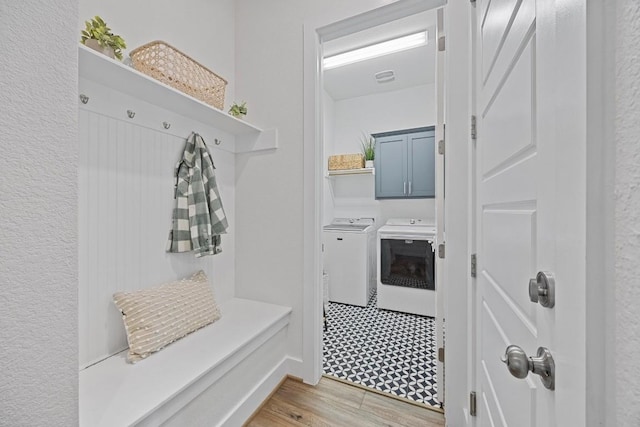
point(386, 350)
point(405, 281)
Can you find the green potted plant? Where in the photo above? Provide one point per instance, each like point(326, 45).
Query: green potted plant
point(238, 110)
point(99, 37)
point(368, 150)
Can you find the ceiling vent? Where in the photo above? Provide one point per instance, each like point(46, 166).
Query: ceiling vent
point(385, 76)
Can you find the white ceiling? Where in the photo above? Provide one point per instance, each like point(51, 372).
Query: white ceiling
point(411, 67)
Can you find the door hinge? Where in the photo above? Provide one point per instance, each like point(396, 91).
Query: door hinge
point(441, 43)
point(441, 147)
point(474, 265)
point(441, 354)
point(441, 250)
point(474, 133)
point(472, 404)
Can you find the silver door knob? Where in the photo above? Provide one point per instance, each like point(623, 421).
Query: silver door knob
point(519, 364)
point(517, 361)
point(542, 289)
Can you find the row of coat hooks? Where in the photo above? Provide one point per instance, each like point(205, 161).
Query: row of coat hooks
point(131, 114)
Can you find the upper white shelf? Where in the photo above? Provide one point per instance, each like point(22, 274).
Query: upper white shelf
point(115, 75)
point(362, 171)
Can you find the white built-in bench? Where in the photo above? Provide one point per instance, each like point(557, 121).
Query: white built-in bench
point(215, 376)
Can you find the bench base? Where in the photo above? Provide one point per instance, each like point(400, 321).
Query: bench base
point(234, 397)
point(216, 376)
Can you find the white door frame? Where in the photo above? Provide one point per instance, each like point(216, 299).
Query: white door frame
point(458, 216)
point(315, 33)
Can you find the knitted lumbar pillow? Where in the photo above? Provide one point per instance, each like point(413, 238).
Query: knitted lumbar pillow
point(158, 316)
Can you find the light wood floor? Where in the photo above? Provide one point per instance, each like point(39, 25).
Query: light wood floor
point(333, 403)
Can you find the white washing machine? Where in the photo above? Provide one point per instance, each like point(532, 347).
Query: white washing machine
point(406, 266)
point(349, 259)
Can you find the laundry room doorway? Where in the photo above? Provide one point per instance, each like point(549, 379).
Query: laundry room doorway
point(387, 103)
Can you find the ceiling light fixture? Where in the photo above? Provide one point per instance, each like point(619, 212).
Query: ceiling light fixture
point(376, 50)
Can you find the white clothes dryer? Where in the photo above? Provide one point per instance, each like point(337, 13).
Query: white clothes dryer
point(406, 266)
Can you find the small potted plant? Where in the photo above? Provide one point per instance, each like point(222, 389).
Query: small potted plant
point(99, 37)
point(238, 110)
point(368, 150)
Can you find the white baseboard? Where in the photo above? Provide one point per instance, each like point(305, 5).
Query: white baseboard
point(261, 391)
point(295, 367)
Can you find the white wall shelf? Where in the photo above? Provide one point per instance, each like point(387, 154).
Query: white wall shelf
point(342, 172)
point(114, 75)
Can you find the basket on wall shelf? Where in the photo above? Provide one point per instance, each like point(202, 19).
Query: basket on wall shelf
point(167, 64)
point(346, 161)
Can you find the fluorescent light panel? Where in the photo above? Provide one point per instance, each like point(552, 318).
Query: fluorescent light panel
point(376, 50)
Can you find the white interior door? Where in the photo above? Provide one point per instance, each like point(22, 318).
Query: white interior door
point(520, 162)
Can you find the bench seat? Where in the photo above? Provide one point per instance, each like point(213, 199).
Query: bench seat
point(115, 393)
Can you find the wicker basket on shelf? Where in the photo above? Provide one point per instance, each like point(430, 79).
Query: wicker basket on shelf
point(346, 161)
point(172, 67)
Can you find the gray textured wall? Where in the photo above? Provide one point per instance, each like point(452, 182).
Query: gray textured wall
point(38, 206)
point(628, 212)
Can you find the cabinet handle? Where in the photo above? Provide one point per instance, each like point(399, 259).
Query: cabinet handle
point(409, 187)
point(404, 188)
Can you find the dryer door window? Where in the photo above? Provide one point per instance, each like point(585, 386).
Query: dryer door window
point(408, 263)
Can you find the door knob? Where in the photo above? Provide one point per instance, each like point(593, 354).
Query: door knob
point(542, 289)
point(519, 364)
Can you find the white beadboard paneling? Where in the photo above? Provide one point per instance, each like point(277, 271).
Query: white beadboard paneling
point(125, 205)
point(83, 256)
point(116, 104)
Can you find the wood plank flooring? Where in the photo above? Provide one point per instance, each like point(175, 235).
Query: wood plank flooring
point(333, 403)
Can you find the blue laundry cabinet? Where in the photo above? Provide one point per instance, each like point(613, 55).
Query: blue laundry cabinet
point(405, 164)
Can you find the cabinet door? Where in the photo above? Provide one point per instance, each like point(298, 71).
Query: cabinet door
point(421, 162)
point(391, 166)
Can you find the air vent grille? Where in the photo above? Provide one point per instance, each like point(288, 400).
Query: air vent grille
point(385, 76)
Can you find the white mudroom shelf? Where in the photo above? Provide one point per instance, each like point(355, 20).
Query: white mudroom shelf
point(114, 75)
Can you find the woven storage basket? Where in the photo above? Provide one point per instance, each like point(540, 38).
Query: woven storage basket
point(346, 161)
point(172, 67)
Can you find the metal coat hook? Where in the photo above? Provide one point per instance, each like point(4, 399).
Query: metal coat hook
point(166, 125)
point(217, 141)
point(84, 98)
point(131, 114)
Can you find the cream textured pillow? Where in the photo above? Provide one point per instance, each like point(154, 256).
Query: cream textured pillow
point(160, 315)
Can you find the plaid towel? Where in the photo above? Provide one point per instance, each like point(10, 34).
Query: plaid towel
point(198, 217)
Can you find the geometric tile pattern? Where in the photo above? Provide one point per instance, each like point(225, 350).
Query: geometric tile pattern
point(386, 350)
point(406, 282)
